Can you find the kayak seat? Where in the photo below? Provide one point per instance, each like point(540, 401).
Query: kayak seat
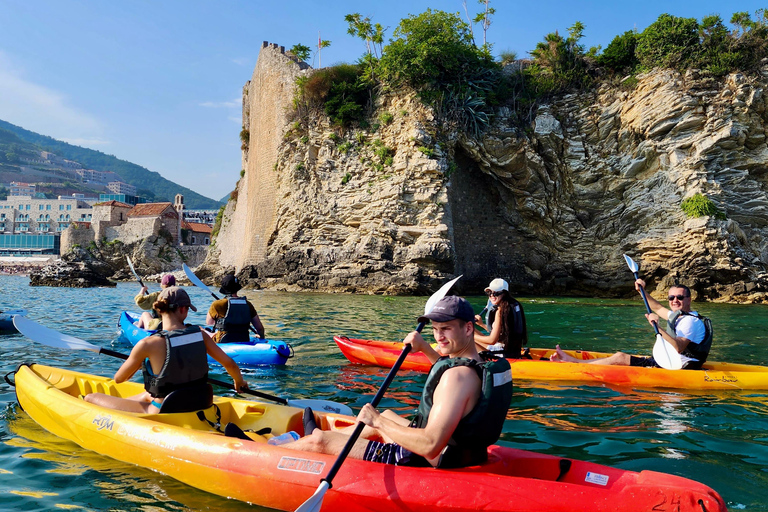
point(193, 398)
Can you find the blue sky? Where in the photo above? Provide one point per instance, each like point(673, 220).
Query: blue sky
point(158, 82)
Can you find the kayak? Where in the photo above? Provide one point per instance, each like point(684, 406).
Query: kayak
point(256, 352)
point(6, 319)
point(713, 376)
point(191, 448)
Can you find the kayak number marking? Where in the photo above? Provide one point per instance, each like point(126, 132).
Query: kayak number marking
point(596, 478)
point(674, 505)
point(301, 465)
point(103, 422)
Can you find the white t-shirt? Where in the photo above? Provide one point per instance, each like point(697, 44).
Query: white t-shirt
point(691, 328)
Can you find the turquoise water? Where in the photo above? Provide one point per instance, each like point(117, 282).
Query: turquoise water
point(720, 439)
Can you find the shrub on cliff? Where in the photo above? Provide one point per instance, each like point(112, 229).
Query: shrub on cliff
point(434, 53)
point(560, 63)
point(699, 205)
point(339, 90)
point(669, 41)
point(619, 55)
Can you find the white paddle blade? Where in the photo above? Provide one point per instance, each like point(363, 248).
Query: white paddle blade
point(193, 278)
point(314, 503)
point(439, 294)
point(130, 265)
point(46, 336)
point(321, 405)
point(665, 354)
point(631, 264)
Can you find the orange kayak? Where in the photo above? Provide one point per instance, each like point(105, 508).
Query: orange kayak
point(714, 375)
point(191, 448)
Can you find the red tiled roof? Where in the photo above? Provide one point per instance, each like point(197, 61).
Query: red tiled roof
point(149, 209)
point(197, 227)
point(114, 203)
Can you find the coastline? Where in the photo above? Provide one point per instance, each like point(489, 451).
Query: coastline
point(23, 265)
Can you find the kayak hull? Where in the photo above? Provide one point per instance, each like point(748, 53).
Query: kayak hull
point(6, 319)
point(714, 375)
point(188, 449)
point(257, 352)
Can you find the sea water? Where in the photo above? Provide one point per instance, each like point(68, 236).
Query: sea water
point(717, 438)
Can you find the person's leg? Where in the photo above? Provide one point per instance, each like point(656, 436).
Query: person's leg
point(116, 402)
point(331, 443)
point(144, 320)
point(617, 359)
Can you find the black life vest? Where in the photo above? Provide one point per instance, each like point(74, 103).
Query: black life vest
point(480, 428)
point(699, 351)
point(186, 362)
point(235, 322)
point(517, 331)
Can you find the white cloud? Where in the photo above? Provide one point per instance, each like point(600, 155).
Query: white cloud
point(41, 109)
point(236, 103)
point(242, 61)
point(237, 120)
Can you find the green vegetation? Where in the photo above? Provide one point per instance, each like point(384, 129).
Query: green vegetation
point(302, 52)
point(346, 179)
point(699, 205)
point(435, 54)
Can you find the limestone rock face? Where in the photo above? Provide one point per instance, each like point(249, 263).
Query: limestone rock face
point(551, 208)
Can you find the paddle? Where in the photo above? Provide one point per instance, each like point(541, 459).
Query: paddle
point(197, 282)
point(663, 352)
point(130, 264)
point(52, 338)
point(315, 501)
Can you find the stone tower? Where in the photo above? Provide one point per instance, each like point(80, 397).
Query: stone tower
point(178, 204)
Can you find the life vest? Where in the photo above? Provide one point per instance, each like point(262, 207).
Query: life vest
point(186, 362)
point(517, 336)
point(480, 428)
point(699, 351)
point(235, 322)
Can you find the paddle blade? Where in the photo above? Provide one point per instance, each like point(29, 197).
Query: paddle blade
point(314, 503)
point(631, 264)
point(194, 279)
point(46, 336)
point(439, 294)
point(322, 405)
point(665, 354)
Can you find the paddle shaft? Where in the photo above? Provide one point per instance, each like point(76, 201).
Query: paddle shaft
point(130, 264)
point(376, 399)
point(647, 306)
point(217, 382)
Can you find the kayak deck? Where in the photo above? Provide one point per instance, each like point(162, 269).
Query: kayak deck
point(713, 376)
point(190, 448)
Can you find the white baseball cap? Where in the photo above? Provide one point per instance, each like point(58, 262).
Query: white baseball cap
point(497, 285)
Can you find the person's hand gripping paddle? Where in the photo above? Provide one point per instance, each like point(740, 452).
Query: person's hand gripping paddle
point(314, 503)
point(664, 353)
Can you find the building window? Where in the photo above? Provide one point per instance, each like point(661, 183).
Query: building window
point(207, 241)
point(40, 206)
point(194, 240)
point(47, 207)
point(29, 206)
point(69, 207)
point(61, 207)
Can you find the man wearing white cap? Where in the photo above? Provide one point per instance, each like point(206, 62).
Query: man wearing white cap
point(505, 321)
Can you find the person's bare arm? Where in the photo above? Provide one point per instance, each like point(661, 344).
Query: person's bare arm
point(454, 397)
point(256, 322)
point(139, 353)
point(492, 338)
point(418, 344)
point(655, 305)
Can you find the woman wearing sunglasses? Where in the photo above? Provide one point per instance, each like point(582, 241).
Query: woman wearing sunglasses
point(506, 327)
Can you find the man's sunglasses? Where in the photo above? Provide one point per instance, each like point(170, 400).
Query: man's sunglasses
point(494, 294)
point(678, 297)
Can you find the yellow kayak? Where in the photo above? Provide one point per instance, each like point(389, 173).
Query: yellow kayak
point(712, 376)
point(190, 447)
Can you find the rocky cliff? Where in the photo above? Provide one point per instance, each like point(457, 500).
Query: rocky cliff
point(551, 208)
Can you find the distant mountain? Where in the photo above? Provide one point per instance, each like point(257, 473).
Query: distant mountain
point(148, 183)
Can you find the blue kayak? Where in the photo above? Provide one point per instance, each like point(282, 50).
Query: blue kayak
point(256, 352)
point(6, 319)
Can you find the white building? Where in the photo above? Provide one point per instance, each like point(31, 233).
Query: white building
point(25, 214)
